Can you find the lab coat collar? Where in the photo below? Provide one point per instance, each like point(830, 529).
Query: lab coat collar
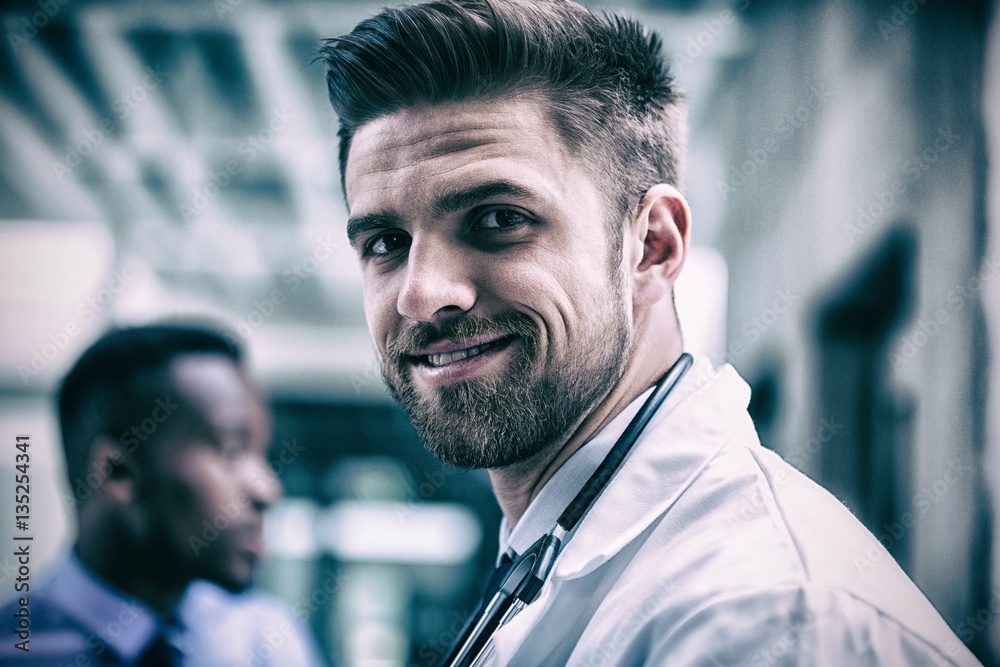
point(561, 489)
point(704, 412)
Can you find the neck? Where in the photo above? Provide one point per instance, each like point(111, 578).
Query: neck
point(125, 572)
point(518, 485)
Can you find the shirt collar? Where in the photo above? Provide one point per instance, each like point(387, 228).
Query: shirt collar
point(124, 623)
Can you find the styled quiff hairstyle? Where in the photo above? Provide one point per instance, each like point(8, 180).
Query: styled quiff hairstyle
point(608, 91)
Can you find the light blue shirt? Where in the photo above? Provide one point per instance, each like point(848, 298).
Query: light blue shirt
point(77, 618)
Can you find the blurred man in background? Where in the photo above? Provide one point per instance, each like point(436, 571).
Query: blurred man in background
point(512, 171)
point(165, 439)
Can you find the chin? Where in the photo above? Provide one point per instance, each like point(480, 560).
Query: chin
point(235, 579)
point(233, 584)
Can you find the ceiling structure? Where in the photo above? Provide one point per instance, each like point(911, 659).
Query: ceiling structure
point(190, 148)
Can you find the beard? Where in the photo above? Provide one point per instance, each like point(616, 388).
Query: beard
point(501, 420)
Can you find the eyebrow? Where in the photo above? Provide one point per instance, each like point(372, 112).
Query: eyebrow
point(469, 197)
point(363, 223)
point(449, 202)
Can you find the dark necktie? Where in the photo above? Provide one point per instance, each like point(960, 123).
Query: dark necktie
point(160, 653)
point(496, 581)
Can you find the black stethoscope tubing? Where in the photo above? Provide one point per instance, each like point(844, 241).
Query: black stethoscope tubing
point(520, 577)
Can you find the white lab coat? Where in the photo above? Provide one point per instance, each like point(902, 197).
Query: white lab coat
point(707, 549)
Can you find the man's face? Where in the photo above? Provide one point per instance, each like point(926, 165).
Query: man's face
point(494, 297)
point(206, 482)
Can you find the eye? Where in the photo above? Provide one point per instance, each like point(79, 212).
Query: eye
point(502, 218)
point(233, 450)
point(385, 244)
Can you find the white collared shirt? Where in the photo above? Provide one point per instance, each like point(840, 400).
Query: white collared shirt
point(707, 549)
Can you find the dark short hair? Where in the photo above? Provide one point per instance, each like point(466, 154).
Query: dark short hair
point(610, 94)
point(116, 382)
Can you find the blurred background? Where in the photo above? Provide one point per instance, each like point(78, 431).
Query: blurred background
point(165, 159)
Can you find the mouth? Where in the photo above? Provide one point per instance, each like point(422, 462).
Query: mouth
point(250, 540)
point(439, 359)
point(448, 362)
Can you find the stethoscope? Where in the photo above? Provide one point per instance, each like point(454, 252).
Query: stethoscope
point(519, 578)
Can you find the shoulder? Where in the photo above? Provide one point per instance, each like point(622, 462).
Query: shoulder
point(754, 556)
point(809, 624)
point(38, 631)
point(785, 626)
point(750, 513)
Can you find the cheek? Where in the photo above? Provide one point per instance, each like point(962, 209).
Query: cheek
point(203, 489)
point(380, 309)
point(553, 285)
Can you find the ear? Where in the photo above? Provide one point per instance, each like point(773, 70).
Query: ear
point(114, 467)
point(663, 226)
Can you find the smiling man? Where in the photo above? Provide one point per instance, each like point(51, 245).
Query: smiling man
point(165, 438)
point(512, 174)
point(501, 266)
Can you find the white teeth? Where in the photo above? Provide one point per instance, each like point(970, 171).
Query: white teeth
point(449, 357)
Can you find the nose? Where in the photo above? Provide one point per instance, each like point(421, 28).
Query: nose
point(262, 486)
point(437, 282)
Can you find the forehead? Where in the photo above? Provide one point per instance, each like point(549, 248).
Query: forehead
point(216, 393)
point(446, 140)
